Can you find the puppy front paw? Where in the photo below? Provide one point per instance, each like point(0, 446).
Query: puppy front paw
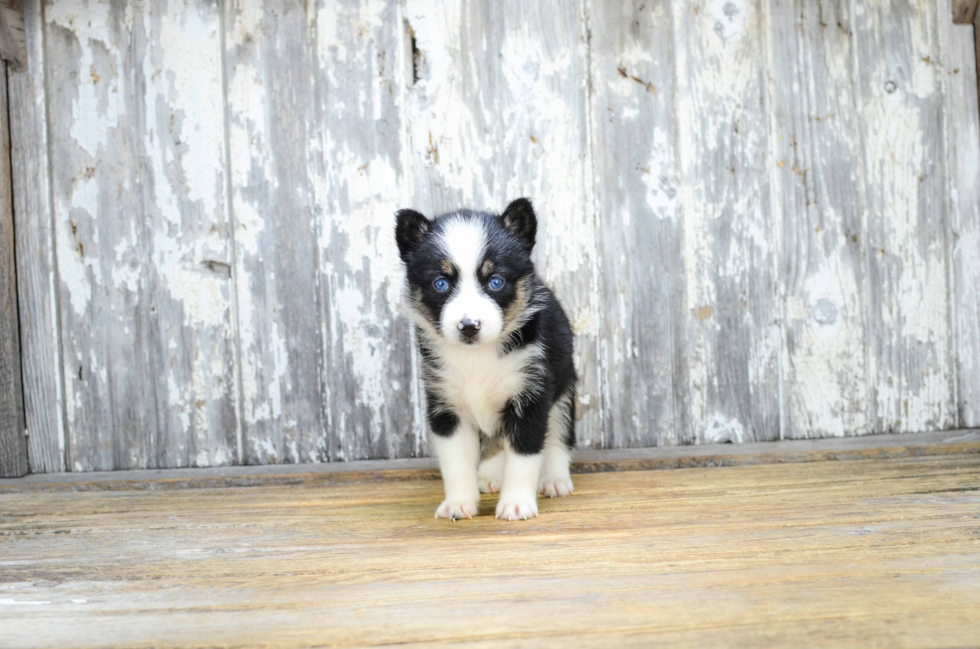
point(489, 486)
point(556, 487)
point(520, 508)
point(456, 510)
point(491, 474)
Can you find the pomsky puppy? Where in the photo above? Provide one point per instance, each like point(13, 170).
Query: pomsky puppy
point(496, 351)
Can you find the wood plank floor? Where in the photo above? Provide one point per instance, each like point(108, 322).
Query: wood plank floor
point(864, 553)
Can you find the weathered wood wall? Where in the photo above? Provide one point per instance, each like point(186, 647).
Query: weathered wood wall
point(13, 442)
point(762, 216)
point(966, 229)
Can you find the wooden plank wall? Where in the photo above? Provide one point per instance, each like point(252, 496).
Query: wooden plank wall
point(965, 219)
point(38, 285)
point(759, 214)
point(821, 205)
point(13, 441)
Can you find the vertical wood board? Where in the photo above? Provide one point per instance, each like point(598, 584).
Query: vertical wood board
point(144, 265)
point(818, 217)
point(642, 287)
point(13, 443)
point(964, 137)
point(359, 155)
point(269, 68)
point(732, 315)
point(903, 122)
point(35, 247)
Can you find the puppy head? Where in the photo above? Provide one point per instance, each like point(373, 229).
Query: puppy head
point(469, 273)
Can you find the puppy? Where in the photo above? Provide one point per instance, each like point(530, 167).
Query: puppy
point(496, 351)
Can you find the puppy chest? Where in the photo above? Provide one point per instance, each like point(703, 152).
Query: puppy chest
point(479, 386)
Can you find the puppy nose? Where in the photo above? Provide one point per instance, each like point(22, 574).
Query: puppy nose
point(469, 328)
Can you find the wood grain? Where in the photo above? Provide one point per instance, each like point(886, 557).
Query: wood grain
point(900, 84)
point(269, 68)
point(964, 158)
point(13, 46)
point(142, 242)
point(732, 312)
point(819, 207)
point(645, 321)
point(880, 552)
point(13, 442)
point(964, 11)
point(359, 166)
point(36, 265)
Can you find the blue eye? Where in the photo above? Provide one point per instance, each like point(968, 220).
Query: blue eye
point(441, 285)
point(496, 283)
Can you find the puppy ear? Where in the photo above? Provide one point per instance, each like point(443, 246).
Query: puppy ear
point(410, 229)
point(519, 220)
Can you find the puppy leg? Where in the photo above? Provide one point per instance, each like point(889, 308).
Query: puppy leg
point(519, 492)
point(525, 426)
point(556, 480)
point(491, 471)
point(458, 455)
point(492, 474)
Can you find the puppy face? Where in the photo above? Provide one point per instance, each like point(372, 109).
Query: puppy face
point(468, 272)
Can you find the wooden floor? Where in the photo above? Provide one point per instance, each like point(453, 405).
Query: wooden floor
point(869, 552)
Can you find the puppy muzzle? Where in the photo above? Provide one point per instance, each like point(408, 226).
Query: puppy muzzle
point(468, 330)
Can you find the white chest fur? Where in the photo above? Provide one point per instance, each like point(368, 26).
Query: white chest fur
point(477, 382)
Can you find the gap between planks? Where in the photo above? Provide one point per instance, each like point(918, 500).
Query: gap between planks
point(602, 461)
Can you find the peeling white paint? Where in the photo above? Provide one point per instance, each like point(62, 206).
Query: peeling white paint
point(265, 448)
point(139, 198)
point(191, 88)
point(914, 393)
point(78, 273)
point(720, 429)
point(192, 59)
point(498, 112)
point(97, 108)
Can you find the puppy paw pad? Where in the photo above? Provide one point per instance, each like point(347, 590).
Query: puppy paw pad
point(455, 510)
point(488, 486)
point(556, 488)
point(517, 510)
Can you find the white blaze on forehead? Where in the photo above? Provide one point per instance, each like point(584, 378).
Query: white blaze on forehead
point(464, 243)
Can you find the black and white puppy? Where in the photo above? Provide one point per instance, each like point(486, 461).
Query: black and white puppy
point(496, 352)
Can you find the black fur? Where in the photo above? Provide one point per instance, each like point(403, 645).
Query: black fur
point(442, 421)
point(411, 227)
point(520, 220)
point(551, 328)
